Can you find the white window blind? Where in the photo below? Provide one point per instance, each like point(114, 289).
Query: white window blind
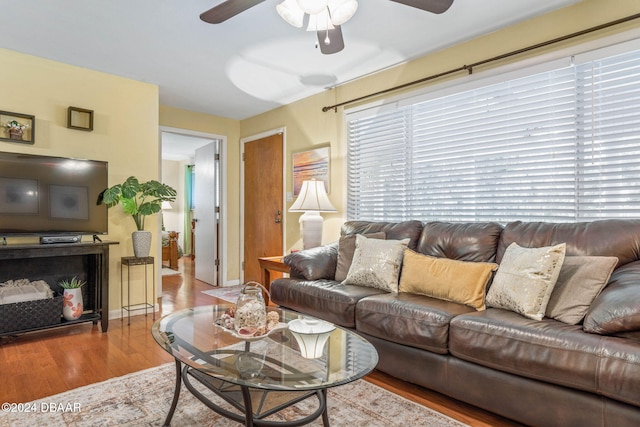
point(562, 145)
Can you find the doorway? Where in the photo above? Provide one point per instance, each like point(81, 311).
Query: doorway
point(263, 200)
point(178, 149)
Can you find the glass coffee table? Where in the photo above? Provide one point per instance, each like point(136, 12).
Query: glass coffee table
point(257, 377)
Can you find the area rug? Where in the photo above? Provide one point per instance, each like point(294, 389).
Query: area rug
point(169, 272)
point(143, 399)
point(229, 293)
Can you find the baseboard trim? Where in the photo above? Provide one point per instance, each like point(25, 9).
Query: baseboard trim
point(135, 310)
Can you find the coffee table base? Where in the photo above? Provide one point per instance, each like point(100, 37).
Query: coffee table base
point(240, 397)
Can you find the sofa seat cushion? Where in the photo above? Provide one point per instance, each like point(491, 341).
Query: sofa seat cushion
point(550, 351)
point(325, 299)
point(409, 319)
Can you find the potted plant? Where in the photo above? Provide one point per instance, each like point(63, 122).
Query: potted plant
point(15, 129)
point(139, 199)
point(72, 305)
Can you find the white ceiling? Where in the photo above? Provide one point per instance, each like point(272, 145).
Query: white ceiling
point(252, 63)
point(180, 147)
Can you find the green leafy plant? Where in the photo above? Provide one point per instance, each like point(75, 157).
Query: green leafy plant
point(138, 199)
point(74, 283)
point(14, 124)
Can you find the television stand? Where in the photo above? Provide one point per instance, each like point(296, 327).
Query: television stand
point(58, 261)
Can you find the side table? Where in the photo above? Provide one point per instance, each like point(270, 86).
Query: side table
point(269, 264)
point(130, 261)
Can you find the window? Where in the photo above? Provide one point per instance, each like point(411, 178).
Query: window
point(559, 145)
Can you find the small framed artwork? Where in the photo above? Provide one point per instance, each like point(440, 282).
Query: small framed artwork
point(80, 118)
point(16, 127)
point(311, 164)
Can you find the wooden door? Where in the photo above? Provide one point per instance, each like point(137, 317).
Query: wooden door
point(263, 200)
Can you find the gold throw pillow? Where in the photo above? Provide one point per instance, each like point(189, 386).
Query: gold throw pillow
point(447, 279)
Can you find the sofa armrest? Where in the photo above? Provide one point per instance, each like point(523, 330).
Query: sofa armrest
point(617, 308)
point(313, 264)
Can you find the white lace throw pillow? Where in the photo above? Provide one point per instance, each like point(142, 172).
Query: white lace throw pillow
point(376, 263)
point(525, 279)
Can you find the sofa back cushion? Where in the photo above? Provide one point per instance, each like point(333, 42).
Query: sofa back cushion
point(392, 230)
point(476, 242)
point(615, 238)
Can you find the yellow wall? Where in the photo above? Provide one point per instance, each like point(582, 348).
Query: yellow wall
point(125, 129)
point(178, 118)
point(306, 125)
point(173, 219)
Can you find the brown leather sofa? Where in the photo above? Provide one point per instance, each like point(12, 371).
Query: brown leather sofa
point(540, 373)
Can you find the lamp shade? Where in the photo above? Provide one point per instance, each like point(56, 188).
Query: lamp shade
point(320, 21)
point(312, 198)
point(291, 12)
point(312, 6)
point(342, 10)
point(165, 205)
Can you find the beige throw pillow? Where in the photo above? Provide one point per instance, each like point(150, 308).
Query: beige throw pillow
point(376, 263)
point(451, 280)
point(525, 279)
point(346, 249)
point(581, 280)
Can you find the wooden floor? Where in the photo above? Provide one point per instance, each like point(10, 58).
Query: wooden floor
point(41, 364)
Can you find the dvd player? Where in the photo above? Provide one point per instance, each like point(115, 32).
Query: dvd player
point(60, 239)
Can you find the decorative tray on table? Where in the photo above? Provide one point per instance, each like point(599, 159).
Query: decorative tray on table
point(249, 337)
point(226, 322)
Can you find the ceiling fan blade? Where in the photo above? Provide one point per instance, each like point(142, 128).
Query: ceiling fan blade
point(227, 9)
point(336, 42)
point(433, 6)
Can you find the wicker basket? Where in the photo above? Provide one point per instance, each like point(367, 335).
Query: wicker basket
point(23, 316)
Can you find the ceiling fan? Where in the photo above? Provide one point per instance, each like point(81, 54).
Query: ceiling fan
point(325, 20)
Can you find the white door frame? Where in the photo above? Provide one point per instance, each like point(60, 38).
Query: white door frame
point(243, 141)
point(222, 236)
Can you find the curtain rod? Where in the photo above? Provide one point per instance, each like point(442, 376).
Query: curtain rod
point(469, 68)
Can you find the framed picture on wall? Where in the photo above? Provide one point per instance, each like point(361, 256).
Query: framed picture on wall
point(16, 127)
point(311, 164)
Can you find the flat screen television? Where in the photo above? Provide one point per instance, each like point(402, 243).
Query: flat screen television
point(54, 196)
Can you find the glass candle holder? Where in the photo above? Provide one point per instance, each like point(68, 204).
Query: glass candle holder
point(311, 336)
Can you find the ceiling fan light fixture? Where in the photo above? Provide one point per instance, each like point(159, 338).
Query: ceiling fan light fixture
point(342, 10)
point(320, 22)
point(290, 12)
point(312, 7)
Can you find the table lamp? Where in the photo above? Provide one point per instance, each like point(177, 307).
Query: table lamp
point(312, 200)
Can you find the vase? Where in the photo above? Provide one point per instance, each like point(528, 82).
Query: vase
point(141, 243)
point(251, 310)
point(72, 306)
